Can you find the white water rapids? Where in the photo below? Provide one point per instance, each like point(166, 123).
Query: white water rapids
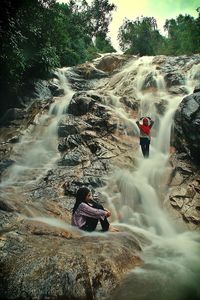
point(38, 145)
point(171, 267)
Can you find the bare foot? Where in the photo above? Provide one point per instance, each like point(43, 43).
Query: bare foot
point(113, 229)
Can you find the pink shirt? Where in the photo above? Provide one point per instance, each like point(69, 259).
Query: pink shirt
point(84, 210)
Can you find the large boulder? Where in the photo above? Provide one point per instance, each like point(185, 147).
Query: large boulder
point(80, 104)
point(88, 71)
point(57, 265)
point(187, 126)
point(109, 63)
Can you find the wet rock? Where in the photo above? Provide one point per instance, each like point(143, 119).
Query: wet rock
point(41, 90)
point(92, 182)
point(103, 122)
point(80, 104)
point(88, 71)
point(74, 157)
point(176, 90)
point(93, 146)
point(14, 139)
point(159, 59)
point(4, 164)
point(66, 128)
point(70, 142)
point(34, 92)
point(38, 227)
point(109, 63)
point(96, 115)
point(13, 114)
point(149, 82)
point(161, 106)
point(177, 178)
point(179, 192)
point(130, 103)
point(88, 135)
point(172, 79)
point(192, 216)
point(56, 90)
point(186, 126)
point(76, 80)
point(82, 268)
point(176, 202)
point(184, 192)
point(196, 89)
point(6, 205)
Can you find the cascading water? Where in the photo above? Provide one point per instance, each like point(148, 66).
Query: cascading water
point(38, 146)
point(171, 265)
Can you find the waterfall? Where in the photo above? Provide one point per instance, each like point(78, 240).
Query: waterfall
point(171, 256)
point(38, 145)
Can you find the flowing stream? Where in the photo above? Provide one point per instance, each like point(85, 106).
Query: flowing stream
point(171, 268)
point(37, 152)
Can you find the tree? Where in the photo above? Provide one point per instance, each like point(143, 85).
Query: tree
point(100, 16)
point(103, 44)
point(40, 35)
point(197, 32)
point(183, 35)
point(140, 36)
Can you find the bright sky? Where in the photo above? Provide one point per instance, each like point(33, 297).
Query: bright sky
point(159, 9)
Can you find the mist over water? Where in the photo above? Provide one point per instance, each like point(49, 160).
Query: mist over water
point(171, 268)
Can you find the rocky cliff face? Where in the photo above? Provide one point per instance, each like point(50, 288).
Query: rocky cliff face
point(184, 182)
point(186, 126)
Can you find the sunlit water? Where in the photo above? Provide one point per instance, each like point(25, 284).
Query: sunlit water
point(171, 268)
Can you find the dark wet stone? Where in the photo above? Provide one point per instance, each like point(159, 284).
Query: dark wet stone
point(174, 79)
point(80, 105)
point(4, 164)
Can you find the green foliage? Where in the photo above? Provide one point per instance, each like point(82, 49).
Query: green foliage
point(44, 60)
point(100, 16)
point(92, 52)
point(140, 36)
point(40, 35)
point(103, 44)
point(183, 35)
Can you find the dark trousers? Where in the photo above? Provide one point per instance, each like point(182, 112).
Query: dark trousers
point(91, 223)
point(145, 143)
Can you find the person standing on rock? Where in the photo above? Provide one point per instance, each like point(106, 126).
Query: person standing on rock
point(145, 124)
point(86, 212)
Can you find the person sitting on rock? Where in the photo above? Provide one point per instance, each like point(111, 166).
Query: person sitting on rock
point(86, 212)
point(145, 137)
